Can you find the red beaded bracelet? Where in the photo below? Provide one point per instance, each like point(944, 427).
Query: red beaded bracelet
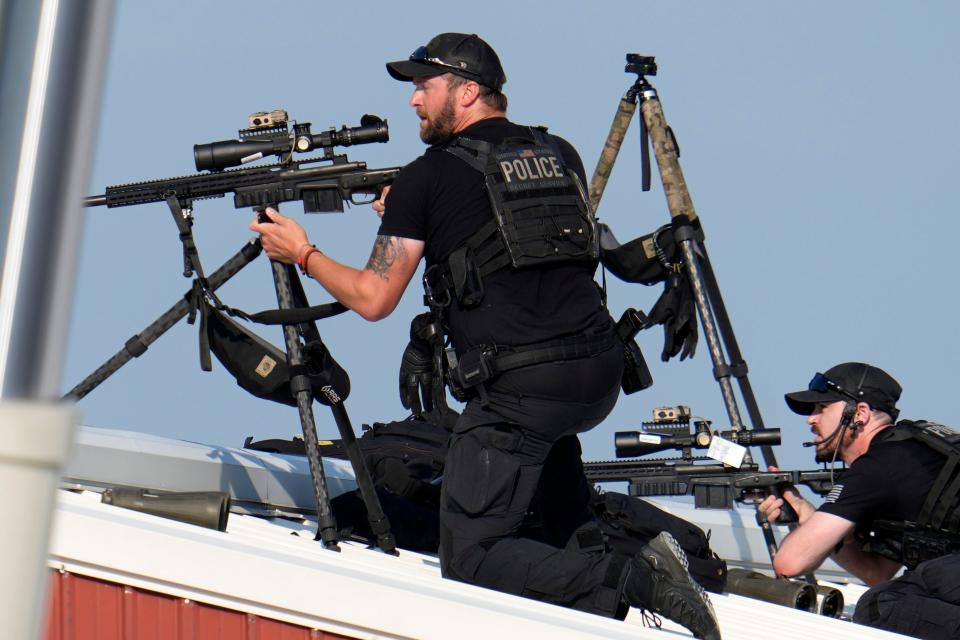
point(304, 259)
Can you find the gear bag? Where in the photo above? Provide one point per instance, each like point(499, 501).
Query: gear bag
point(404, 457)
point(646, 260)
point(261, 368)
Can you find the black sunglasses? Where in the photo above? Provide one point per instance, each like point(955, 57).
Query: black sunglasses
point(823, 384)
point(423, 55)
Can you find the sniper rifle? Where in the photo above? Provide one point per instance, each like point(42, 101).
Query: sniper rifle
point(321, 188)
point(713, 484)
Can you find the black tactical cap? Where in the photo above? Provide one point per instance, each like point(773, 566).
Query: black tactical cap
point(463, 54)
point(854, 381)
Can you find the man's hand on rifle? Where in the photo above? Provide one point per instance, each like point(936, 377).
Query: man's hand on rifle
point(282, 239)
point(772, 506)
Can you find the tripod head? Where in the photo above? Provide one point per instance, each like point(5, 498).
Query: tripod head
point(641, 65)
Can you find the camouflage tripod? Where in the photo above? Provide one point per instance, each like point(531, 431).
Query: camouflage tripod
point(689, 236)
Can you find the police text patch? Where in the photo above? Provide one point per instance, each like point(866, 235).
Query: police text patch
point(531, 167)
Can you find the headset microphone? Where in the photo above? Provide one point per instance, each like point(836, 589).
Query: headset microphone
point(848, 412)
point(833, 435)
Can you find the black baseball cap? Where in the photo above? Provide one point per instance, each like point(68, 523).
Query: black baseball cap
point(850, 381)
point(463, 54)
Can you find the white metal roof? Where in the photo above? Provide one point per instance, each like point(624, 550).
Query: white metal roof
point(273, 568)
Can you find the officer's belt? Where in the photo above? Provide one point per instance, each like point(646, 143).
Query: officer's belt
point(566, 349)
point(484, 363)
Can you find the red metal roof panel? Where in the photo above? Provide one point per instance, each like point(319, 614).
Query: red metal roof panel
point(82, 608)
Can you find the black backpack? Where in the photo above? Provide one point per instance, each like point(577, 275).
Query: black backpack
point(404, 457)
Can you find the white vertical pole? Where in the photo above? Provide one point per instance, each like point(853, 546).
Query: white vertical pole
point(52, 55)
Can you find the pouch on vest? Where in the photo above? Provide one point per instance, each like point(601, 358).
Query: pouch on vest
point(261, 368)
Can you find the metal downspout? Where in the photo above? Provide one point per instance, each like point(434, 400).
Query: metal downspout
point(52, 55)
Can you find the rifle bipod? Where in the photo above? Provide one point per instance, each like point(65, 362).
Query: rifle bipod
point(688, 233)
point(283, 277)
point(137, 345)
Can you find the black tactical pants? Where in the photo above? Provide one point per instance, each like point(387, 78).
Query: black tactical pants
point(923, 603)
point(497, 457)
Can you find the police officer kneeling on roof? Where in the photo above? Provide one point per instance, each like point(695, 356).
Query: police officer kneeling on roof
point(895, 506)
point(499, 212)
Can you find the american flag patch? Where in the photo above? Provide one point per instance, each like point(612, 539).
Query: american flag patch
point(834, 493)
point(527, 153)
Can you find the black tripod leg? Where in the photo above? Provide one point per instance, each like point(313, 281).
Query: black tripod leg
point(301, 390)
point(738, 365)
point(378, 520)
point(379, 523)
point(137, 345)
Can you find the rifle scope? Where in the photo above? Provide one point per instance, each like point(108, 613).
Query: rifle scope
point(255, 144)
point(630, 444)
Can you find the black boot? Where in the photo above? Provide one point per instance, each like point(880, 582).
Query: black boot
point(659, 581)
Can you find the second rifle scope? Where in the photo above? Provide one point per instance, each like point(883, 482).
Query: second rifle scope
point(630, 444)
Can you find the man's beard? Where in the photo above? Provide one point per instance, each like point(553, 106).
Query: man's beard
point(830, 452)
point(825, 454)
point(440, 128)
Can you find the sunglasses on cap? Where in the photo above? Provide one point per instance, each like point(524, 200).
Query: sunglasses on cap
point(822, 384)
point(423, 55)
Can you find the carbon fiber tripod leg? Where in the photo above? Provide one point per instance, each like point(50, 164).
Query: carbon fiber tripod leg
point(137, 345)
point(302, 391)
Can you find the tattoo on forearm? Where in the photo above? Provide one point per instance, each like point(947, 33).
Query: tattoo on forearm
point(386, 250)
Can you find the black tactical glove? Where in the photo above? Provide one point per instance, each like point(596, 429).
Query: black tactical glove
point(676, 312)
point(418, 375)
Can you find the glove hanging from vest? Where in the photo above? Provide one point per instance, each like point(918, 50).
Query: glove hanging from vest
point(421, 384)
point(676, 312)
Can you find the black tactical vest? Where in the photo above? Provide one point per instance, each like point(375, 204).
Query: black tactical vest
point(937, 529)
point(540, 215)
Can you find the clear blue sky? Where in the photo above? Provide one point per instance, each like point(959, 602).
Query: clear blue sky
point(818, 140)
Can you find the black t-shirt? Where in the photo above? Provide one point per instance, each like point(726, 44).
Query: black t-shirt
point(440, 199)
point(888, 482)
